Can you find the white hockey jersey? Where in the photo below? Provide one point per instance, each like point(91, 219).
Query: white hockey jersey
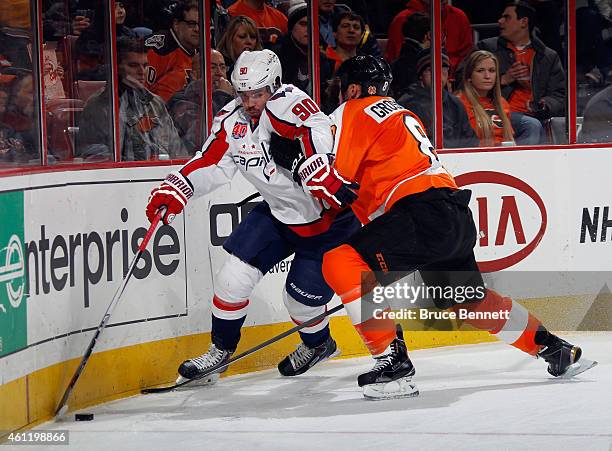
point(235, 143)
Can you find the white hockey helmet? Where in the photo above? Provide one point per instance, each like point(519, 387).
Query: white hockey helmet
point(257, 69)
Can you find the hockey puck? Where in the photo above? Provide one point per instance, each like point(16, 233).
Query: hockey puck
point(84, 416)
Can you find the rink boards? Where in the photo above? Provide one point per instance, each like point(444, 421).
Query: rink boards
point(67, 238)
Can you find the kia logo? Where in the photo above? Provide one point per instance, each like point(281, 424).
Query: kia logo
point(504, 219)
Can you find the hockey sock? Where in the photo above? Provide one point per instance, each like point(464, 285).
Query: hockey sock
point(226, 332)
point(315, 339)
point(508, 320)
point(351, 277)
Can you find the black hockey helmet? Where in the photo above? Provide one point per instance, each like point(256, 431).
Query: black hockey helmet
point(371, 73)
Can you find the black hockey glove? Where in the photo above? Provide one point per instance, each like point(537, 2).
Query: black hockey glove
point(285, 152)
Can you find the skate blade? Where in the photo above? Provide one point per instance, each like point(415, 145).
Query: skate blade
point(400, 388)
point(580, 366)
point(207, 380)
point(336, 353)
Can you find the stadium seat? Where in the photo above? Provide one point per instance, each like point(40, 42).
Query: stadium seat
point(69, 60)
point(84, 89)
point(62, 117)
point(556, 132)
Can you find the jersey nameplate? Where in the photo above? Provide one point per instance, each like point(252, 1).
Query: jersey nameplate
point(383, 109)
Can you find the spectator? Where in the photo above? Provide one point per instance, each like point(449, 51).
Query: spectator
point(326, 29)
point(593, 52)
point(17, 131)
point(222, 89)
point(417, 37)
point(170, 52)
point(120, 16)
point(241, 34)
point(13, 147)
point(145, 127)
point(14, 48)
point(456, 31)
point(262, 14)
point(532, 78)
point(487, 109)
point(597, 122)
point(457, 131)
point(15, 14)
point(348, 28)
point(89, 24)
point(293, 51)
point(185, 106)
point(328, 14)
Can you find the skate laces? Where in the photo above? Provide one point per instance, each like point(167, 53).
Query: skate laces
point(383, 362)
point(301, 355)
point(213, 357)
point(388, 359)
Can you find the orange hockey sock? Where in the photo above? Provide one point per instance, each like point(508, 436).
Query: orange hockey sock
point(506, 319)
point(350, 277)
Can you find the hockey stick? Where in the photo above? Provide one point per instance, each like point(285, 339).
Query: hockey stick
point(246, 353)
point(109, 311)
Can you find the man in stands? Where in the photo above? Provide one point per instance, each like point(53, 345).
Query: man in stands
point(145, 127)
point(597, 123)
point(348, 28)
point(185, 106)
point(417, 36)
point(170, 52)
point(532, 77)
point(292, 49)
point(328, 14)
point(457, 130)
point(264, 15)
point(456, 31)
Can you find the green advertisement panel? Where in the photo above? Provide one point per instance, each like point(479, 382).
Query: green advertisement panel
point(13, 281)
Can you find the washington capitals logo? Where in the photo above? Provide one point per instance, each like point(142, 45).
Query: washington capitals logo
point(239, 131)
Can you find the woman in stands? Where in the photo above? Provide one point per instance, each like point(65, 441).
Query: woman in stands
point(487, 109)
point(241, 34)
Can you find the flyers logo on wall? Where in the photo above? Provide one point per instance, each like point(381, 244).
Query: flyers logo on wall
point(13, 280)
point(510, 217)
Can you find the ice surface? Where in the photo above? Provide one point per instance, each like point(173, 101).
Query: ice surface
point(487, 396)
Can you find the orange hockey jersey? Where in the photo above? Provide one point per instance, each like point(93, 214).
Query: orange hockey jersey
point(170, 65)
point(383, 147)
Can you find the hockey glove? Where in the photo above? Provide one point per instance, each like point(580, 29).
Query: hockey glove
point(173, 193)
point(323, 182)
point(285, 152)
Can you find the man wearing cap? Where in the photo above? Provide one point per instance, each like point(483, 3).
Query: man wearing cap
point(457, 131)
point(292, 51)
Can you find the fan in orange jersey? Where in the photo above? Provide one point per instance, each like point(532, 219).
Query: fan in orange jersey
point(170, 53)
point(415, 219)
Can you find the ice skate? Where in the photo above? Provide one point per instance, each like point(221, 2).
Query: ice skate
point(304, 358)
point(193, 368)
point(392, 374)
point(564, 359)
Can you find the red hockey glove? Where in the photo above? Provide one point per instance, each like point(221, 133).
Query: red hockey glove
point(173, 193)
point(324, 182)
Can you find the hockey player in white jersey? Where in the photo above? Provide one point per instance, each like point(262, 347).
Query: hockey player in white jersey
point(244, 135)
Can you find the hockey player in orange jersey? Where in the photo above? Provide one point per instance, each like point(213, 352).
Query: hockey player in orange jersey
point(415, 218)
